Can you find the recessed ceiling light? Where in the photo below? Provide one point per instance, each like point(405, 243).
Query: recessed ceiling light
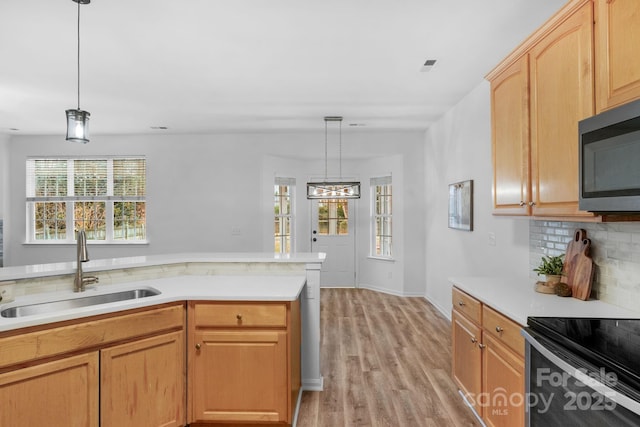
point(428, 65)
point(159, 127)
point(357, 124)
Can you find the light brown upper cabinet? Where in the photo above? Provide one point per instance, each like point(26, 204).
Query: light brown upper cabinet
point(561, 93)
point(617, 48)
point(538, 95)
point(510, 128)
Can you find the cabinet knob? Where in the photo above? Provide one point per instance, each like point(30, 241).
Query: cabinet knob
point(522, 203)
point(474, 340)
point(482, 346)
point(460, 303)
point(499, 329)
point(239, 316)
point(532, 203)
point(198, 346)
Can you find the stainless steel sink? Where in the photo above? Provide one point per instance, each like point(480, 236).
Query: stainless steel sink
point(66, 304)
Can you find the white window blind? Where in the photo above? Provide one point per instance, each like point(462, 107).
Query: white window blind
point(104, 196)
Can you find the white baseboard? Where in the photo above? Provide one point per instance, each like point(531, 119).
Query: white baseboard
point(388, 291)
point(445, 312)
point(313, 384)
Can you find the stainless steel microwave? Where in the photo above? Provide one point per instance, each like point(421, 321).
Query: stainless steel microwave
point(609, 160)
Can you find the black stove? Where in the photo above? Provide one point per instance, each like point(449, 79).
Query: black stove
point(613, 344)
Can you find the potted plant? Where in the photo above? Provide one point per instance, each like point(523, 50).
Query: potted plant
point(551, 266)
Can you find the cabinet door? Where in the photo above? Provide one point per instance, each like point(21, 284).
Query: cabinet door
point(561, 84)
point(239, 376)
point(143, 382)
point(467, 358)
point(503, 384)
point(61, 393)
point(618, 63)
point(510, 145)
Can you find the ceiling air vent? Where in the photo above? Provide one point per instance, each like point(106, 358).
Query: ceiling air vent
point(428, 65)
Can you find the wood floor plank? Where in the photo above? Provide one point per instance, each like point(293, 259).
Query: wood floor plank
point(386, 361)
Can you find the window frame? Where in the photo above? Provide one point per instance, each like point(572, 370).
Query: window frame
point(290, 183)
point(70, 199)
point(386, 249)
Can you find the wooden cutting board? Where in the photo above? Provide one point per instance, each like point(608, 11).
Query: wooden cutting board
point(575, 246)
point(581, 274)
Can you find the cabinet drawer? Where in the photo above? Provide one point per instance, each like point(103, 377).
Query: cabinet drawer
point(503, 328)
point(466, 304)
point(240, 314)
point(88, 333)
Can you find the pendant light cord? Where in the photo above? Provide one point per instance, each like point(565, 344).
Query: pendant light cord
point(78, 56)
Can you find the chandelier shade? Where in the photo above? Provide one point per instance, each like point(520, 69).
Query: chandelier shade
point(333, 190)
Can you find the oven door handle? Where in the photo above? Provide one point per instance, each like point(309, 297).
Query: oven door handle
point(580, 375)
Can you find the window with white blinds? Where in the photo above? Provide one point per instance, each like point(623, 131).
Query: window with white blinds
point(283, 214)
point(381, 216)
point(105, 196)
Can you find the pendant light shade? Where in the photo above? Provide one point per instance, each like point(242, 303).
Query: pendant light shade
point(78, 126)
point(77, 119)
point(335, 189)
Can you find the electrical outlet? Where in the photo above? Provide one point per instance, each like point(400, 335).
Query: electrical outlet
point(236, 231)
point(309, 291)
point(492, 238)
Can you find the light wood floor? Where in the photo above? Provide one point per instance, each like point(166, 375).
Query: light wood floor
point(386, 361)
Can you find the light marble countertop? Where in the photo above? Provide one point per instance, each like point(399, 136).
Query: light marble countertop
point(180, 288)
point(517, 299)
point(62, 268)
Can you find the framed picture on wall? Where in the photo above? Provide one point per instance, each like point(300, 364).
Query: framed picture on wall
point(461, 205)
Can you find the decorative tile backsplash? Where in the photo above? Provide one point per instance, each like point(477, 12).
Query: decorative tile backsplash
point(615, 249)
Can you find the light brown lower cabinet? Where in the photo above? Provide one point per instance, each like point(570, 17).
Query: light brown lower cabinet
point(244, 362)
point(488, 361)
point(142, 383)
point(124, 369)
point(60, 393)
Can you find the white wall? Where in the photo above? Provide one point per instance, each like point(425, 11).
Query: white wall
point(457, 148)
point(4, 170)
point(200, 187)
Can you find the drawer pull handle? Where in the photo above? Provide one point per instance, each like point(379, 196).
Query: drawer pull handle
point(239, 316)
point(499, 329)
point(482, 346)
point(198, 346)
point(460, 303)
point(474, 340)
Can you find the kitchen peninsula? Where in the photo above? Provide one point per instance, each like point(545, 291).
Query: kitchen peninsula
point(267, 304)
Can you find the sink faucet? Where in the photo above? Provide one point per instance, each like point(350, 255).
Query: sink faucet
point(80, 281)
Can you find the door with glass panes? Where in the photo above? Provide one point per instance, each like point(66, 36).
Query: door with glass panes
point(333, 232)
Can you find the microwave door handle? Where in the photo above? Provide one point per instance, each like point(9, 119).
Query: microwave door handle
point(591, 382)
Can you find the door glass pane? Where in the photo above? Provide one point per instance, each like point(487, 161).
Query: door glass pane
point(333, 217)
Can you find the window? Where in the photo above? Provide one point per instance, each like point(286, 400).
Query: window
point(104, 196)
point(333, 217)
point(283, 202)
point(381, 210)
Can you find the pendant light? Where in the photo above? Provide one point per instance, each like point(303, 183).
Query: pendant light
point(78, 120)
point(333, 189)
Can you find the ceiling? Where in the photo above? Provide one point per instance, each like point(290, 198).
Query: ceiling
point(203, 66)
